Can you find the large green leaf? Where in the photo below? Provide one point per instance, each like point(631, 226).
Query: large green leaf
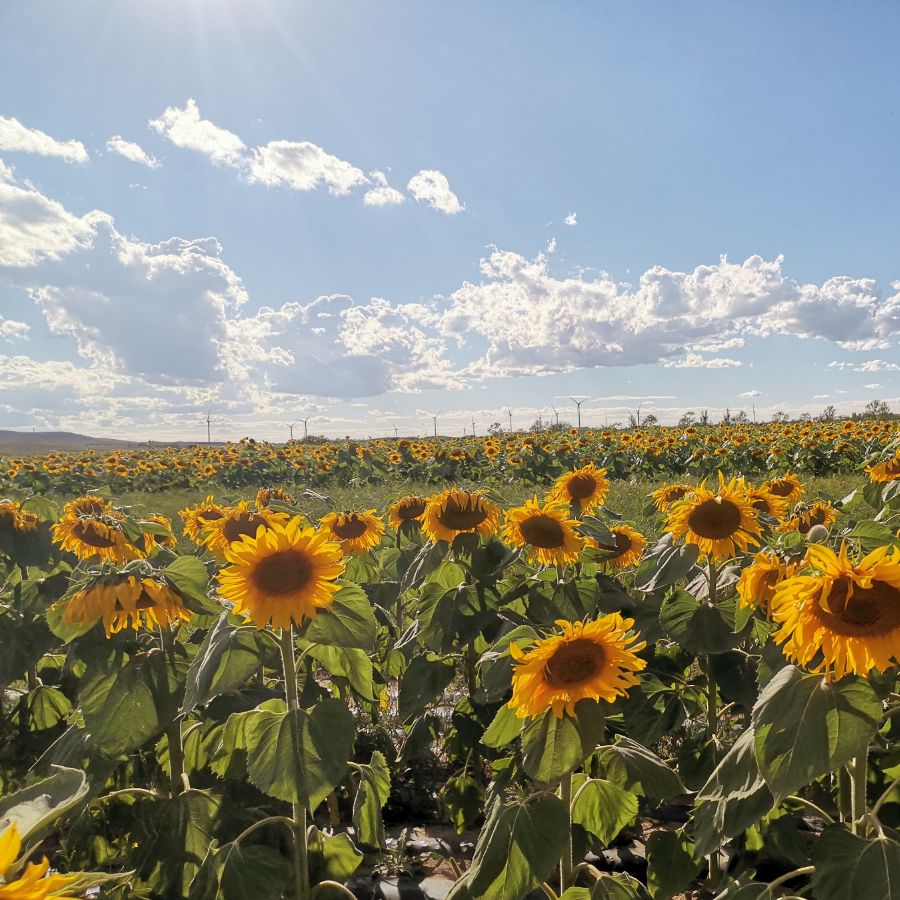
point(505, 728)
point(555, 746)
point(46, 706)
point(354, 665)
point(187, 575)
point(299, 756)
point(241, 872)
point(228, 656)
point(609, 887)
point(602, 807)
point(667, 567)
point(518, 848)
point(424, 681)
point(806, 727)
point(851, 868)
point(696, 625)
point(463, 798)
point(634, 768)
point(331, 857)
point(371, 795)
point(348, 621)
point(450, 618)
point(37, 807)
point(671, 866)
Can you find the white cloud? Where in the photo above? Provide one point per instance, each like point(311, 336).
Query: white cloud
point(433, 187)
point(15, 136)
point(695, 361)
point(570, 219)
point(303, 167)
point(821, 396)
point(185, 128)
point(10, 329)
point(877, 365)
point(384, 194)
point(840, 365)
point(132, 151)
point(718, 346)
point(873, 387)
point(750, 394)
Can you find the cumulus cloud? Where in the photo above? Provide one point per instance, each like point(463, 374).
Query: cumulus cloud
point(185, 128)
point(695, 361)
point(872, 387)
point(384, 194)
point(876, 365)
point(10, 329)
point(132, 151)
point(15, 136)
point(750, 394)
point(432, 187)
point(570, 219)
point(303, 167)
point(535, 323)
point(821, 396)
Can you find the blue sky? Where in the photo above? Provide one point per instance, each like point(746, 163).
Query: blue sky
point(358, 212)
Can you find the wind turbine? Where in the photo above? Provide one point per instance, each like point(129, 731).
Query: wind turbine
point(305, 431)
point(510, 418)
point(434, 418)
point(578, 404)
point(291, 426)
point(208, 432)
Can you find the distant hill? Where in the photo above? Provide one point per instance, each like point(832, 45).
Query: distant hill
point(28, 443)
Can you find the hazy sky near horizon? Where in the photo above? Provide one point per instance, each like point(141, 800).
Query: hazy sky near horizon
point(372, 213)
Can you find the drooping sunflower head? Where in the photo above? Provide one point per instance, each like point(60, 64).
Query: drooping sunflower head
point(88, 506)
point(721, 524)
point(586, 485)
point(286, 573)
point(629, 547)
point(766, 503)
point(151, 540)
point(409, 509)
point(819, 513)
point(198, 518)
point(264, 496)
point(94, 536)
point(788, 487)
point(356, 532)
point(889, 470)
point(236, 523)
point(760, 580)
point(32, 883)
point(140, 602)
point(546, 530)
point(849, 612)
point(10, 512)
point(596, 661)
point(459, 512)
point(669, 494)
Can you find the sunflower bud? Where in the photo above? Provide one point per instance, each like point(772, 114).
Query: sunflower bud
point(818, 534)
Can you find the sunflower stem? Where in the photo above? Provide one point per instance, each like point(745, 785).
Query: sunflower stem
point(712, 715)
point(177, 779)
point(301, 861)
point(859, 775)
point(566, 868)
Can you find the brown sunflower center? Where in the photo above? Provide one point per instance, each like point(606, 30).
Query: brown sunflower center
point(458, 515)
point(353, 526)
point(673, 494)
point(241, 525)
point(870, 611)
point(543, 532)
point(94, 534)
point(7, 518)
point(715, 519)
point(573, 663)
point(892, 467)
point(772, 577)
point(813, 517)
point(209, 515)
point(580, 487)
point(781, 488)
point(89, 508)
point(762, 505)
point(285, 572)
point(411, 509)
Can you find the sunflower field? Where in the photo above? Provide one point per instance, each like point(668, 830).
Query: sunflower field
point(810, 448)
point(258, 704)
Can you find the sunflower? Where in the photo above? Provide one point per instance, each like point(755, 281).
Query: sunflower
point(89, 506)
point(885, 471)
point(720, 524)
point(199, 517)
point(357, 532)
point(151, 540)
point(264, 496)
point(146, 602)
point(34, 883)
point(284, 574)
point(788, 487)
point(596, 660)
point(818, 514)
point(459, 512)
point(848, 611)
point(669, 494)
point(586, 485)
point(10, 516)
point(629, 548)
point(547, 530)
point(760, 580)
point(766, 503)
point(409, 509)
point(90, 536)
point(237, 522)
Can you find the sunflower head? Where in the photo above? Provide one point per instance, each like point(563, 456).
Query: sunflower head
point(236, 523)
point(198, 518)
point(669, 494)
point(849, 612)
point(885, 471)
point(356, 532)
point(803, 520)
point(88, 506)
point(152, 540)
point(629, 547)
point(721, 524)
point(125, 599)
point(409, 509)
point(10, 512)
point(759, 581)
point(94, 536)
point(264, 496)
point(596, 661)
point(787, 487)
point(547, 532)
point(284, 574)
point(586, 486)
point(766, 503)
point(459, 512)
point(32, 883)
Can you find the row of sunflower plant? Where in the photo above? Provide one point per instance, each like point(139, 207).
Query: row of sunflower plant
point(812, 448)
point(235, 719)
